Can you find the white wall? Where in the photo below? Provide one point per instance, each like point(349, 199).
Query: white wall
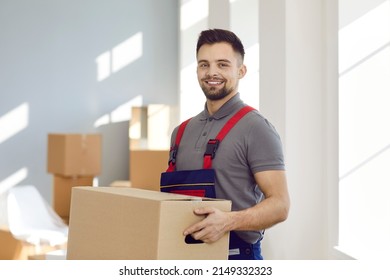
point(364, 141)
point(305, 137)
point(59, 73)
point(298, 92)
point(301, 58)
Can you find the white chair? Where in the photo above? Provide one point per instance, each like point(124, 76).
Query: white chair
point(31, 219)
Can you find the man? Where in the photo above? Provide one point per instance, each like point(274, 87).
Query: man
point(249, 164)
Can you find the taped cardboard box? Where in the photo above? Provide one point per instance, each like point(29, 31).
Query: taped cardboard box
point(134, 224)
point(146, 167)
point(74, 154)
point(62, 190)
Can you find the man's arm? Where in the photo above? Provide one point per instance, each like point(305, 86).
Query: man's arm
point(270, 211)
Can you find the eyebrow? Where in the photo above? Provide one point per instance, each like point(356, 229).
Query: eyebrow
point(219, 60)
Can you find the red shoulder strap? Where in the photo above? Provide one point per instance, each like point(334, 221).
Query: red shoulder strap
point(232, 122)
point(173, 150)
point(212, 145)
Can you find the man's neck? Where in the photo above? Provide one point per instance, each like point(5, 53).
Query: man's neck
point(214, 105)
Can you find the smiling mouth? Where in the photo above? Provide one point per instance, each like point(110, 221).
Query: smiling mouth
point(214, 83)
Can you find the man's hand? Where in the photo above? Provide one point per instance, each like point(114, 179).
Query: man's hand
point(212, 227)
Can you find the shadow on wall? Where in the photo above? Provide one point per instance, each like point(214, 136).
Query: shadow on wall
point(115, 160)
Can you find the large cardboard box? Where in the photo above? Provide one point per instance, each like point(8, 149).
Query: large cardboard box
point(62, 190)
point(127, 223)
point(146, 167)
point(121, 184)
point(74, 154)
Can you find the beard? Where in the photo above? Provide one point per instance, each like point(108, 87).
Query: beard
point(213, 94)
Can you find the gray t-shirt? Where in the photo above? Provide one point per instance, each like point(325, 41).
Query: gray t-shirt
point(251, 146)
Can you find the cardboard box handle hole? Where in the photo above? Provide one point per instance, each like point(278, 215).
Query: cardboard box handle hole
point(190, 240)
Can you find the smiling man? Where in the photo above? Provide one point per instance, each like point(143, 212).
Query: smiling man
point(249, 163)
point(219, 70)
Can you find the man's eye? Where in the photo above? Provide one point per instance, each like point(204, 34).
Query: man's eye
point(202, 65)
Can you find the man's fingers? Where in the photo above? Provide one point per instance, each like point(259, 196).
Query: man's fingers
point(204, 210)
point(200, 225)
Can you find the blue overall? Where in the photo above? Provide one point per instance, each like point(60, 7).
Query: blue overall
point(201, 183)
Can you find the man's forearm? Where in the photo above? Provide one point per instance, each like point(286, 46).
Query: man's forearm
point(261, 216)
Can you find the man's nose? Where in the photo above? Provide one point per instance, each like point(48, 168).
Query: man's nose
point(212, 70)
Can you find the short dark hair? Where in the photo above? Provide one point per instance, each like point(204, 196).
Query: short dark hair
point(212, 36)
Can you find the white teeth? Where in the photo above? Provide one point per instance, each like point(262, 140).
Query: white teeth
point(214, 83)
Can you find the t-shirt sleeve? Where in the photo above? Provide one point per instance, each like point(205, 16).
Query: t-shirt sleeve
point(265, 151)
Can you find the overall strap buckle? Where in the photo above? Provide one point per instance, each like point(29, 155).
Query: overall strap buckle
point(212, 146)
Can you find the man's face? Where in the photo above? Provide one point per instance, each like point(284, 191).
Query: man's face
point(219, 70)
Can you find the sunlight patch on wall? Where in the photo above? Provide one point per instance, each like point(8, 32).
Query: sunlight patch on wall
point(364, 86)
point(191, 96)
point(119, 114)
point(364, 36)
point(13, 122)
point(119, 57)
point(193, 11)
point(127, 52)
point(103, 62)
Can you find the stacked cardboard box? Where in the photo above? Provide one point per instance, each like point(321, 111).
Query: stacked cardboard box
point(149, 142)
point(137, 224)
point(74, 160)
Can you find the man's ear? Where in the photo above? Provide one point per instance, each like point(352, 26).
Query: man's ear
point(242, 71)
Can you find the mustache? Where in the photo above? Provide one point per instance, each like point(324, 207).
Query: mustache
point(208, 77)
